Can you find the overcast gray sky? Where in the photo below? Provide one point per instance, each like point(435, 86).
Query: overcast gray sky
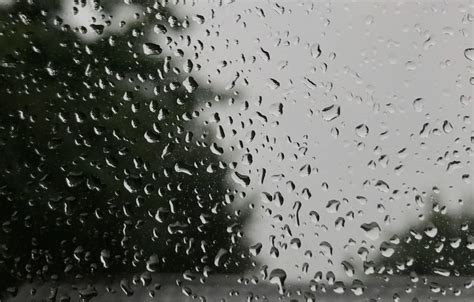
point(375, 60)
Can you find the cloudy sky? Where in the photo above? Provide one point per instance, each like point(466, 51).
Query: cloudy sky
point(390, 70)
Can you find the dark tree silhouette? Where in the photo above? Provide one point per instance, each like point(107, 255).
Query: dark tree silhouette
point(104, 169)
point(440, 245)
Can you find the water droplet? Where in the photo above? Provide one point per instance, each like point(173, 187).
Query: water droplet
point(241, 179)
point(315, 50)
point(348, 268)
point(273, 84)
point(126, 288)
point(74, 179)
point(190, 84)
point(418, 104)
point(152, 263)
point(180, 167)
point(278, 277)
point(331, 112)
point(255, 249)
point(265, 54)
point(386, 249)
point(131, 184)
point(447, 127)
point(362, 130)
point(431, 230)
point(382, 186)
point(358, 287)
point(441, 271)
point(371, 230)
point(333, 206)
point(469, 54)
point(221, 257)
point(151, 49)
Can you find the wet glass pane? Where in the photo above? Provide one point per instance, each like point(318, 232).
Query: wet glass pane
point(236, 150)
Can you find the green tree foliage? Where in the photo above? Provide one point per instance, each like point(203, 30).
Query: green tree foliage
point(442, 244)
point(104, 168)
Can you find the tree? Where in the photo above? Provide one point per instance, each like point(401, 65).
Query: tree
point(104, 169)
point(440, 245)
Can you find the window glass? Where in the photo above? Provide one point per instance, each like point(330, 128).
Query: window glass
point(236, 150)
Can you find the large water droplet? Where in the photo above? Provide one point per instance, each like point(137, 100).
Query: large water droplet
point(469, 54)
point(221, 257)
point(278, 277)
point(255, 249)
point(151, 49)
point(371, 230)
point(190, 84)
point(241, 179)
point(331, 112)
